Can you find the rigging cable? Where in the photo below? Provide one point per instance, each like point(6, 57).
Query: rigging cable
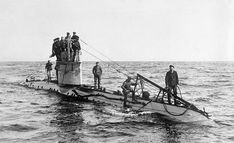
point(180, 91)
point(103, 55)
point(165, 107)
point(126, 74)
point(104, 61)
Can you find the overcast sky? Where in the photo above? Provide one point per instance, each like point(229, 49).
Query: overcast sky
point(129, 30)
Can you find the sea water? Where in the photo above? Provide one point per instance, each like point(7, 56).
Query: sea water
point(28, 115)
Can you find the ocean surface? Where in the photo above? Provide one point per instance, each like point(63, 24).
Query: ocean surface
point(28, 115)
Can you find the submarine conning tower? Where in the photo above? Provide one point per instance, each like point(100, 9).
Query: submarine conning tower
point(69, 73)
point(70, 69)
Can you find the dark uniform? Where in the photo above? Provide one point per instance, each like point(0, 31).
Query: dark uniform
point(127, 89)
point(97, 72)
point(56, 50)
point(48, 68)
point(75, 37)
point(76, 47)
point(62, 45)
point(172, 81)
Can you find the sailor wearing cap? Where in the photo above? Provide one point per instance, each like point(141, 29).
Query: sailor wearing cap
point(76, 47)
point(56, 49)
point(48, 68)
point(171, 81)
point(97, 72)
point(74, 37)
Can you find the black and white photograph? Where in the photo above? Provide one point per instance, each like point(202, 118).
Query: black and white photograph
point(117, 71)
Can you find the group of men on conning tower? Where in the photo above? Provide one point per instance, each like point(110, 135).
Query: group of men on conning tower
point(66, 49)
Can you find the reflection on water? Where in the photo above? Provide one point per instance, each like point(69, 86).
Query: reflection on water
point(67, 119)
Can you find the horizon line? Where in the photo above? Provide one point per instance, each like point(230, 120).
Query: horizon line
point(130, 61)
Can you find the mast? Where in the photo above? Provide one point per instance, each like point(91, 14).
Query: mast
point(69, 47)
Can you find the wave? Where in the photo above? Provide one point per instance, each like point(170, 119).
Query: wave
point(222, 123)
point(109, 82)
point(197, 85)
point(106, 133)
point(19, 101)
point(11, 91)
point(215, 95)
point(215, 81)
point(231, 138)
point(32, 103)
point(130, 122)
point(44, 111)
point(18, 128)
point(202, 99)
point(112, 77)
point(224, 75)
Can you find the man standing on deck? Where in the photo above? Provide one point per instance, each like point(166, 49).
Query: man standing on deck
point(171, 81)
point(48, 68)
point(97, 72)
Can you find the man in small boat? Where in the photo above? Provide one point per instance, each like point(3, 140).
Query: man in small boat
point(127, 89)
point(171, 81)
point(56, 51)
point(97, 72)
point(48, 68)
point(76, 47)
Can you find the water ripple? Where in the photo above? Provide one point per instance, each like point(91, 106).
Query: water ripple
point(17, 128)
point(29, 115)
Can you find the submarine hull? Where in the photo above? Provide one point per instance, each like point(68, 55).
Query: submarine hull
point(85, 92)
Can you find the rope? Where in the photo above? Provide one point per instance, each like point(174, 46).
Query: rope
point(190, 106)
point(107, 63)
point(180, 91)
point(103, 55)
point(165, 107)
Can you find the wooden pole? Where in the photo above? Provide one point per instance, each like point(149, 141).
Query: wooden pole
point(69, 47)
